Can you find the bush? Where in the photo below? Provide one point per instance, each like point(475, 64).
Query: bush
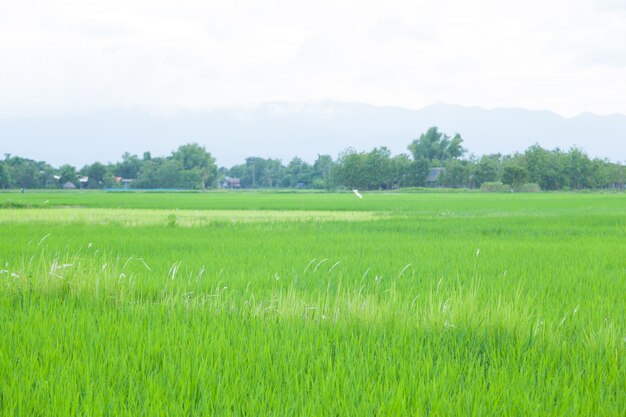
point(495, 187)
point(529, 187)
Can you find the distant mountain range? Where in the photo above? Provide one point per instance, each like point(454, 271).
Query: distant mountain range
point(285, 130)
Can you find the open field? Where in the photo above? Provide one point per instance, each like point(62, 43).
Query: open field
point(312, 304)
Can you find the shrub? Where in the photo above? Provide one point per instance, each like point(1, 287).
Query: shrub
point(495, 187)
point(529, 187)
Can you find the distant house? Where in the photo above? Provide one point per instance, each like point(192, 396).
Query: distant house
point(69, 186)
point(84, 182)
point(126, 182)
point(231, 183)
point(434, 175)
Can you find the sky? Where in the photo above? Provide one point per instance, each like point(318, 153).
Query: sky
point(62, 57)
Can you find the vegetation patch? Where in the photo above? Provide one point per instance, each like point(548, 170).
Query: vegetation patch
point(183, 218)
point(442, 304)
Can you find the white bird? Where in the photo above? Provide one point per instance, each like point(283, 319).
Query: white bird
point(357, 193)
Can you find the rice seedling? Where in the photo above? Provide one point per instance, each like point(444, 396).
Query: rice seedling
point(313, 304)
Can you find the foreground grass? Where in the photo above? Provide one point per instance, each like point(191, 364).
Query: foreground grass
point(448, 307)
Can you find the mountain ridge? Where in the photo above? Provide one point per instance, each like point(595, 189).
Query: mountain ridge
point(283, 130)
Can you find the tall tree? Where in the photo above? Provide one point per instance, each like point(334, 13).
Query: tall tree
point(456, 173)
point(129, 167)
point(351, 169)
point(68, 174)
point(297, 174)
point(514, 171)
point(578, 169)
point(323, 171)
point(195, 157)
point(487, 169)
point(545, 168)
point(401, 171)
point(378, 168)
point(4, 176)
point(95, 172)
point(436, 146)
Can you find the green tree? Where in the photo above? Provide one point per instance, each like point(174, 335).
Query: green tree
point(323, 172)
point(4, 176)
point(436, 146)
point(456, 173)
point(514, 172)
point(169, 174)
point(419, 172)
point(545, 168)
point(273, 173)
point(254, 171)
point(401, 171)
point(297, 173)
point(149, 175)
point(68, 174)
point(351, 170)
point(195, 157)
point(95, 172)
point(129, 167)
point(378, 169)
point(578, 169)
point(22, 172)
point(487, 169)
point(258, 172)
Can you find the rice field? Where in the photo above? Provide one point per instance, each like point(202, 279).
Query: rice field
point(312, 304)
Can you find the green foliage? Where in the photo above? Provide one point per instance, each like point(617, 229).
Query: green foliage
point(514, 172)
point(545, 168)
point(401, 171)
point(419, 172)
point(68, 174)
point(495, 187)
point(323, 172)
point(528, 188)
point(5, 181)
point(436, 304)
point(96, 173)
point(456, 174)
point(352, 169)
point(192, 167)
point(198, 166)
point(487, 169)
point(436, 146)
point(129, 167)
point(298, 174)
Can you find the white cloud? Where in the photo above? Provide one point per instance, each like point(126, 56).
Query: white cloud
point(69, 56)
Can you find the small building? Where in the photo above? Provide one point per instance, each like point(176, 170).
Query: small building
point(84, 182)
point(69, 186)
point(126, 182)
point(231, 183)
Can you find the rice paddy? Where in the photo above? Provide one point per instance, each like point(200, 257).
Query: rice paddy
point(282, 304)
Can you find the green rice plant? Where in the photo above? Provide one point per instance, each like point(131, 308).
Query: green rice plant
point(429, 304)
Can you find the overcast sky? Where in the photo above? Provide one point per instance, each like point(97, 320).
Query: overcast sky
point(59, 57)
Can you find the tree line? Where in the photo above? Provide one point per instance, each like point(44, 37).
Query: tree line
point(433, 160)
